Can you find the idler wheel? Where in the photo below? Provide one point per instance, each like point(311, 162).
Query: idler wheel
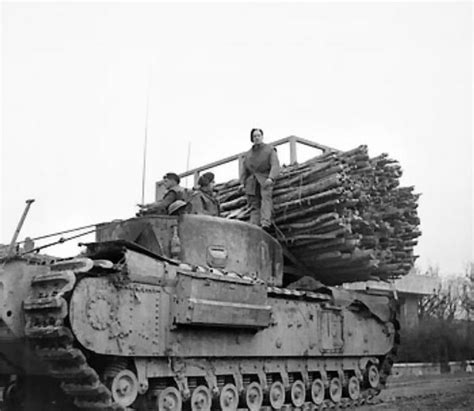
point(373, 376)
point(229, 398)
point(276, 395)
point(317, 391)
point(201, 399)
point(170, 400)
point(298, 393)
point(13, 397)
point(353, 388)
point(335, 390)
point(125, 388)
point(254, 396)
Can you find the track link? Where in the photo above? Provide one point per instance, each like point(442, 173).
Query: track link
point(46, 311)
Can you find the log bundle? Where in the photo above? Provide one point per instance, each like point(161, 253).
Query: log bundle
point(342, 215)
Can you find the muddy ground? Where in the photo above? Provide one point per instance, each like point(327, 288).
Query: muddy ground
point(440, 392)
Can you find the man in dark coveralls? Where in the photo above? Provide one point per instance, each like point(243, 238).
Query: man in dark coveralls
point(260, 168)
point(174, 192)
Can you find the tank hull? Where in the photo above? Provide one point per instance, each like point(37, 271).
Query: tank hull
point(145, 319)
point(179, 313)
point(167, 328)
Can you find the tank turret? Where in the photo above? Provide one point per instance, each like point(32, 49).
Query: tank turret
point(229, 245)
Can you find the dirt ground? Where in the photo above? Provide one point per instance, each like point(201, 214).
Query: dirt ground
point(440, 392)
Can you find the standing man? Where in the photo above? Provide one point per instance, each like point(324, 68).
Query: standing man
point(259, 170)
point(174, 192)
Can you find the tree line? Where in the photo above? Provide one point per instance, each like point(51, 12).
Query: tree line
point(446, 331)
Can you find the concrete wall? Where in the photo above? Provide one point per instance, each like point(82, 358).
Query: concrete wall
point(409, 311)
point(417, 284)
point(403, 370)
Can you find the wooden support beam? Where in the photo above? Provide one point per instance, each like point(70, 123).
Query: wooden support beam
point(293, 157)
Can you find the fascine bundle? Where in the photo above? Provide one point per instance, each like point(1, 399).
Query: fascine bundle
point(342, 215)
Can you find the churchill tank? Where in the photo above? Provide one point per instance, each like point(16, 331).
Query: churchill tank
point(186, 312)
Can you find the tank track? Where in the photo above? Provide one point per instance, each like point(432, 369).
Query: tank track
point(47, 329)
point(46, 311)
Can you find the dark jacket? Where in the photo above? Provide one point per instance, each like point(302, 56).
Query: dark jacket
point(260, 162)
point(203, 202)
point(173, 194)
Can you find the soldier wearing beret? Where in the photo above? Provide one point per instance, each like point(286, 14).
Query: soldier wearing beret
point(174, 192)
point(259, 170)
point(203, 200)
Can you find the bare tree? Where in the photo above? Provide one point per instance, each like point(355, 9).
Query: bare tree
point(452, 300)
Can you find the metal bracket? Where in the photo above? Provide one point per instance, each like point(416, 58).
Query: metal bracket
point(324, 377)
point(11, 248)
point(262, 378)
point(284, 376)
point(211, 379)
point(342, 378)
point(141, 367)
point(239, 382)
point(305, 375)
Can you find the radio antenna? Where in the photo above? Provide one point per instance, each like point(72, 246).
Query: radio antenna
point(146, 139)
point(187, 160)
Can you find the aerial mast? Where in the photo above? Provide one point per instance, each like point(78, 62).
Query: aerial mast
point(146, 139)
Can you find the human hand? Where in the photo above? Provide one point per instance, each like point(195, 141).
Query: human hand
point(268, 182)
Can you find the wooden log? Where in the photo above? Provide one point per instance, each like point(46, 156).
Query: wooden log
point(324, 236)
point(309, 200)
point(325, 184)
point(236, 203)
point(305, 212)
point(309, 222)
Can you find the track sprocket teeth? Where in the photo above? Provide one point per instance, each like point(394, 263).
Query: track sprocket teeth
point(96, 390)
point(62, 355)
point(78, 373)
point(48, 332)
point(42, 303)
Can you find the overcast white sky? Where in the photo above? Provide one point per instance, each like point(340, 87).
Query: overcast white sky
point(394, 76)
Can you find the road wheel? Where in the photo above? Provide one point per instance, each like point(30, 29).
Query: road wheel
point(170, 400)
point(125, 388)
point(229, 398)
point(373, 376)
point(335, 390)
point(298, 393)
point(201, 399)
point(317, 391)
point(254, 396)
point(277, 395)
point(353, 388)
